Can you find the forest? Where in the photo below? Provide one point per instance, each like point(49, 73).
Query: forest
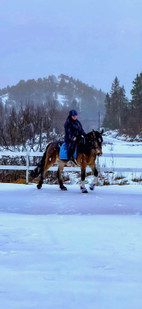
point(33, 111)
point(121, 113)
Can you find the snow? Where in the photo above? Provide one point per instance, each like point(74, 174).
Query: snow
point(114, 144)
point(61, 99)
point(70, 250)
point(4, 98)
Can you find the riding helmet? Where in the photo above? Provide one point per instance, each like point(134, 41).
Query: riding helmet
point(73, 112)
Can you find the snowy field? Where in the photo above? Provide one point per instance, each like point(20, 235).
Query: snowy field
point(68, 250)
point(114, 144)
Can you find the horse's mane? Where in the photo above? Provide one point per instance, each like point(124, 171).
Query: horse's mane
point(82, 146)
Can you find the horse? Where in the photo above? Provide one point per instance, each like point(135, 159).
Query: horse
point(88, 148)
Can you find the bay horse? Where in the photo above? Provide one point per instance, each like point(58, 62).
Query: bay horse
point(88, 148)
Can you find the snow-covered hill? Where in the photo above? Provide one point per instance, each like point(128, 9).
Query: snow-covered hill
point(4, 98)
point(61, 91)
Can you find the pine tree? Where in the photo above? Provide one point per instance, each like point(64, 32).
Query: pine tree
point(136, 92)
point(136, 104)
point(115, 104)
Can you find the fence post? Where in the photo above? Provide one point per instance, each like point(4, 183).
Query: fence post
point(27, 167)
point(98, 169)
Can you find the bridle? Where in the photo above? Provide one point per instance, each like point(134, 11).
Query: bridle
point(93, 141)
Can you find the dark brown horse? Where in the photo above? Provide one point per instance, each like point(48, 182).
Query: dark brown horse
point(88, 148)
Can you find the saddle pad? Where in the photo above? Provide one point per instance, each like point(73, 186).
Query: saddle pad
point(63, 152)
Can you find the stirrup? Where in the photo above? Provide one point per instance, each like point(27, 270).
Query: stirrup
point(73, 160)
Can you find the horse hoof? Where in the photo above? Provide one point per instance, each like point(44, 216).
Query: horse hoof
point(39, 186)
point(63, 188)
point(84, 190)
point(92, 187)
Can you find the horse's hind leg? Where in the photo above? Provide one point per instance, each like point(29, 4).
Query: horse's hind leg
point(59, 176)
point(50, 159)
point(41, 180)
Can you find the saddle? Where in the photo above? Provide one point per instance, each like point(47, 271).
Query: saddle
point(63, 152)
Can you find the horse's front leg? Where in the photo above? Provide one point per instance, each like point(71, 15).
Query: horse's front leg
point(95, 173)
point(82, 186)
point(59, 176)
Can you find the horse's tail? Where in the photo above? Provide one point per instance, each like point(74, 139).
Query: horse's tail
point(37, 171)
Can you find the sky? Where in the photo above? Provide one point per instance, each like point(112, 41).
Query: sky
point(93, 41)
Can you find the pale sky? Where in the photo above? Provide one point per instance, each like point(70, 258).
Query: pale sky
point(94, 41)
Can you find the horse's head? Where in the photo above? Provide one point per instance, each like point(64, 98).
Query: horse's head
point(94, 140)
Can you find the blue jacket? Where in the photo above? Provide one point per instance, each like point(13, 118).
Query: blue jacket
point(73, 128)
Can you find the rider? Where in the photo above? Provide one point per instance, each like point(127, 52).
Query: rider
point(73, 131)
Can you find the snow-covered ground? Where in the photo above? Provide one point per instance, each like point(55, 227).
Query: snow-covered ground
point(68, 250)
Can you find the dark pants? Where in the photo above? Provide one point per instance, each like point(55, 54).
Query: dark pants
point(70, 150)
